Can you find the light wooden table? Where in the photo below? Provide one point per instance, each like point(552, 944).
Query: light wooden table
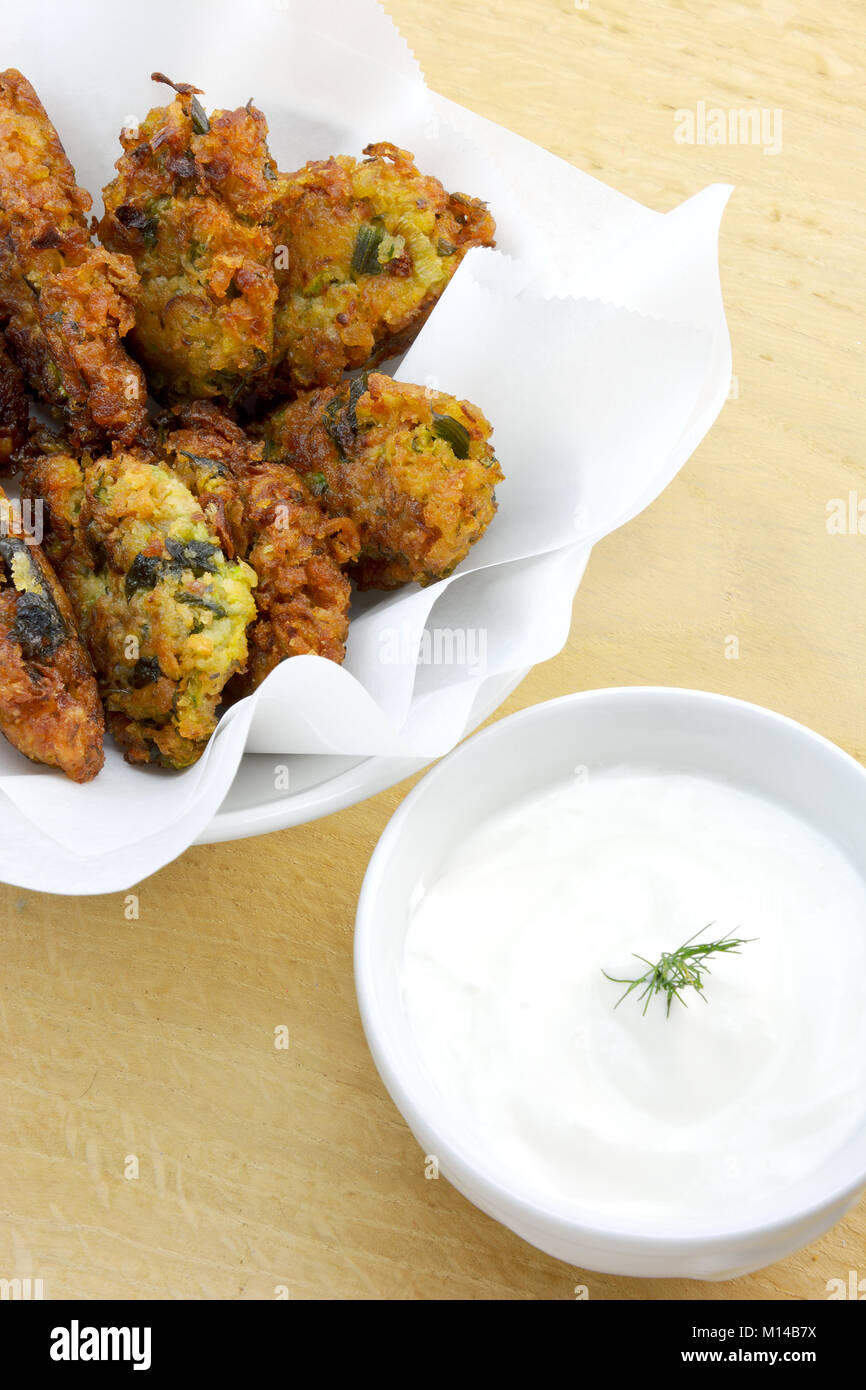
point(155, 1039)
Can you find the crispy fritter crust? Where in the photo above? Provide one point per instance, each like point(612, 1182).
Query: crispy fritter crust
point(266, 513)
point(64, 303)
point(370, 247)
point(192, 205)
point(49, 703)
point(162, 609)
point(256, 281)
point(413, 468)
point(14, 409)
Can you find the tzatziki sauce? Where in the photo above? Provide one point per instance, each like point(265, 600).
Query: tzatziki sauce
point(604, 1110)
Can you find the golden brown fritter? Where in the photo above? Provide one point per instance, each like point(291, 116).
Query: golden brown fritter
point(192, 205)
point(64, 304)
point(266, 513)
point(413, 468)
point(162, 609)
point(252, 280)
point(14, 409)
point(49, 703)
point(370, 247)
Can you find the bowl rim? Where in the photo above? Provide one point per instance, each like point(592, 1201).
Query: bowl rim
point(448, 1144)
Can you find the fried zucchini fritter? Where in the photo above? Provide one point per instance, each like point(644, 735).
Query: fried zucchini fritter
point(64, 304)
point(252, 280)
point(192, 205)
point(266, 513)
point(413, 468)
point(14, 409)
point(49, 703)
point(162, 609)
point(371, 245)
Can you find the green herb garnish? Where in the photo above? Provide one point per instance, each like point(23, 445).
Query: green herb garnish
point(198, 601)
point(145, 572)
point(146, 671)
point(457, 435)
point(340, 416)
point(200, 122)
point(365, 257)
point(199, 556)
point(675, 970)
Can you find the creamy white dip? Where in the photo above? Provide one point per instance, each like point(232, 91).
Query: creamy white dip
point(601, 1110)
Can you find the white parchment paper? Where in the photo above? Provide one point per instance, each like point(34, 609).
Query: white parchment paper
point(594, 339)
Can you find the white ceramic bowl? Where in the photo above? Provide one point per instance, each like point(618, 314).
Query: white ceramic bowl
point(678, 730)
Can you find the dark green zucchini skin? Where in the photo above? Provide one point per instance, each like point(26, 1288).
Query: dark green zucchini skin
point(49, 702)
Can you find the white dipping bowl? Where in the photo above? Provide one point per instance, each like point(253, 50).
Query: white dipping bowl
point(654, 727)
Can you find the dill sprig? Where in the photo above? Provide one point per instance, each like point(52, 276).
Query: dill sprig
point(676, 970)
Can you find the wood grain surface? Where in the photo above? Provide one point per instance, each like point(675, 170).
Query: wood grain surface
point(148, 1046)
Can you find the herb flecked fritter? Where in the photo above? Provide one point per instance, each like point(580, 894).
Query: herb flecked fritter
point(49, 703)
point(256, 281)
point(192, 204)
point(64, 304)
point(413, 468)
point(162, 609)
point(371, 245)
point(266, 513)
